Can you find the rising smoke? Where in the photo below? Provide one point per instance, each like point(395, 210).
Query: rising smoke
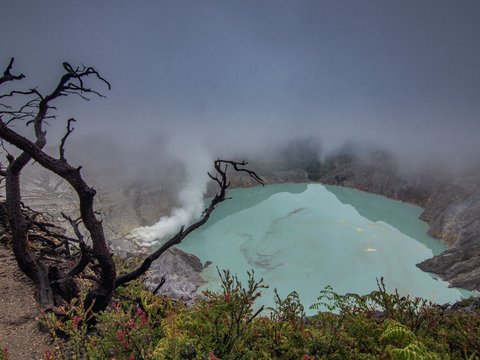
point(196, 162)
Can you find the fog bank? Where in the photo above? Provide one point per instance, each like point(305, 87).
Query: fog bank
point(192, 81)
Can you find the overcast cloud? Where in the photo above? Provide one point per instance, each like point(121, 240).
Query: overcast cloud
point(192, 80)
point(404, 74)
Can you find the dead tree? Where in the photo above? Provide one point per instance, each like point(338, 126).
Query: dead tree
point(35, 111)
point(48, 281)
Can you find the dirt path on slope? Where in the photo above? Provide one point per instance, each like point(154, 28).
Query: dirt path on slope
point(19, 331)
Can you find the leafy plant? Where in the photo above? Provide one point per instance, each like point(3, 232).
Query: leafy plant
point(402, 343)
point(4, 355)
point(227, 325)
point(71, 324)
point(378, 303)
point(397, 334)
point(220, 324)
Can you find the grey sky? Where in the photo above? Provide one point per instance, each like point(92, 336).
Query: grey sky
point(401, 73)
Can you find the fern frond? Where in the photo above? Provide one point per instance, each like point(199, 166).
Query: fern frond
point(397, 334)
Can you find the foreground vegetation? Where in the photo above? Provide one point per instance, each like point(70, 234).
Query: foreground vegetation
point(226, 325)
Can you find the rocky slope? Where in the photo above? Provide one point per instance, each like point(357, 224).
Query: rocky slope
point(452, 208)
point(19, 330)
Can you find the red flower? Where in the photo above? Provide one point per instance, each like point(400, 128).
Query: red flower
point(131, 325)
point(143, 315)
point(76, 320)
point(226, 297)
point(121, 338)
point(61, 310)
point(305, 357)
point(131, 357)
point(212, 356)
point(48, 354)
point(5, 353)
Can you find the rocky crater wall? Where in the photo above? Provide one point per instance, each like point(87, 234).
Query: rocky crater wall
point(452, 208)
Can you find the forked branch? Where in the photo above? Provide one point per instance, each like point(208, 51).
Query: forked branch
point(7, 75)
point(64, 139)
point(220, 177)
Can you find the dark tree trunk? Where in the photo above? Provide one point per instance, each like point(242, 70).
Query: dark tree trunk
point(100, 295)
point(72, 82)
point(28, 263)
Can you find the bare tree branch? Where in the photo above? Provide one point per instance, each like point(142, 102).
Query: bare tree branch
point(64, 138)
point(7, 75)
point(74, 224)
point(84, 260)
point(221, 179)
point(44, 227)
point(71, 82)
point(19, 92)
point(162, 282)
point(238, 166)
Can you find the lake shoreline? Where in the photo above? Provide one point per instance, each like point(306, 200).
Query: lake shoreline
point(247, 246)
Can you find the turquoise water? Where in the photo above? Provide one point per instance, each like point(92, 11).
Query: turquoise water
point(305, 236)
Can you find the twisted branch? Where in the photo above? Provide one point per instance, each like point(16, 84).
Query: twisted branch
point(7, 75)
point(220, 177)
point(64, 138)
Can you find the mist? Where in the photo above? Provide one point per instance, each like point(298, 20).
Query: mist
point(190, 197)
point(193, 81)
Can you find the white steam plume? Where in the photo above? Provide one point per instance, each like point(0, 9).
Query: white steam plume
point(196, 162)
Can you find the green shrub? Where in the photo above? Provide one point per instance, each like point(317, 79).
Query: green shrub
point(220, 325)
point(402, 343)
point(393, 306)
point(227, 325)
